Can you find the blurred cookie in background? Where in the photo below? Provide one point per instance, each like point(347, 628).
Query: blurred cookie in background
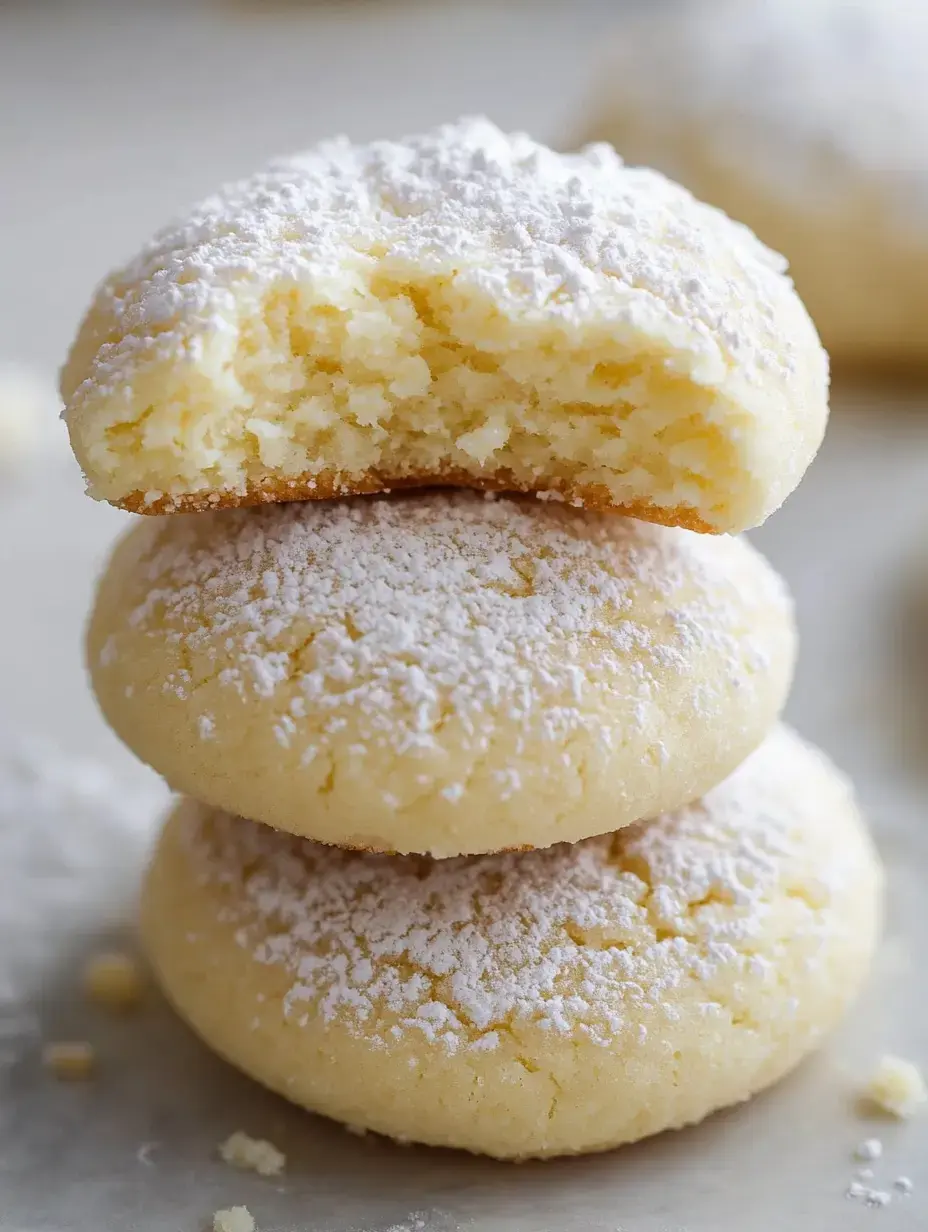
point(29, 410)
point(807, 120)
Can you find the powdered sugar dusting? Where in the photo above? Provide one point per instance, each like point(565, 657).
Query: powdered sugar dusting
point(407, 613)
point(73, 838)
point(578, 940)
point(542, 236)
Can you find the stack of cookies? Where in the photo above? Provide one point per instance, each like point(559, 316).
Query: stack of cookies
point(490, 836)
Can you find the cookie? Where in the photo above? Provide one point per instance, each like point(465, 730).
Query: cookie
point(439, 672)
point(806, 119)
point(542, 1003)
point(464, 308)
point(28, 417)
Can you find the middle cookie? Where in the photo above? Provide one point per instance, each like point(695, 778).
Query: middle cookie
point(440, 673)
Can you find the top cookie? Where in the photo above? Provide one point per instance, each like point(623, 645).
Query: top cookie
point(462, 307)
point(808, 119)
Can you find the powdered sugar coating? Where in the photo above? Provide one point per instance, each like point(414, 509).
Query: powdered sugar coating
point(410, 612)
point(543, 236)
point(585, 941)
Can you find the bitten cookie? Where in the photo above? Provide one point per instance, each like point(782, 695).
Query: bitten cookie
point(443, 673)
point(532, 1004)
point(465, 308)
point(808, 120)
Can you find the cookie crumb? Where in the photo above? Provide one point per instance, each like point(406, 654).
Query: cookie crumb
point(71, 1060)
point(252, 1154)
point(143, 1154)
point(903, 1185)
point(869, 1197)
point(870, 1148)
point(897, 1087)
point(235, 1219)
point(114, 981)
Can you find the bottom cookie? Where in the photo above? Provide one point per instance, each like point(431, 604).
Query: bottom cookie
point(544, 1003)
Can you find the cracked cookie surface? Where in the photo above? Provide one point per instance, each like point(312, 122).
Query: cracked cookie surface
point(438, 672)
point(536, 1003)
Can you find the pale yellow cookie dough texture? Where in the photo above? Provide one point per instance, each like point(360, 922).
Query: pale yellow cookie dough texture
point(461, 307)
point(442, 672)
point(807, 120)
point(897, 1087)
point(114, 981)
point(235, 1219)
point(530, 1004)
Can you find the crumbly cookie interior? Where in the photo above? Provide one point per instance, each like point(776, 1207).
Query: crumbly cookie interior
point(400, 378)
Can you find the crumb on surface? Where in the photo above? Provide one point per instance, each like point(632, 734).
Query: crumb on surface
point(114, 981)
point(867, 1195)
point(252, 1154)
point(897, 1086)
point(870, 1148)
point(234, 1219)
point(69, 1059)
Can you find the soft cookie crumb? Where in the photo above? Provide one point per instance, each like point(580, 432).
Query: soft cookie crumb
point(71, 1060)
point(235, 1219)
point(867, 1195)
point(870, 1148)
point(897, 1087)
point(252, 1154)
point(114, 981)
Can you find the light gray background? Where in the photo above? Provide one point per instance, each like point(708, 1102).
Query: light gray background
point(111, 118)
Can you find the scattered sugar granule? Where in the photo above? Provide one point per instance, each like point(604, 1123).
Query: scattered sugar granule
point(252, 1154)
point(235, 1219)
point(114, 981)
point(870, 1148)
point(897, 1087)
point(867, 1195)
point(903, 1185)
point(70, 1060)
